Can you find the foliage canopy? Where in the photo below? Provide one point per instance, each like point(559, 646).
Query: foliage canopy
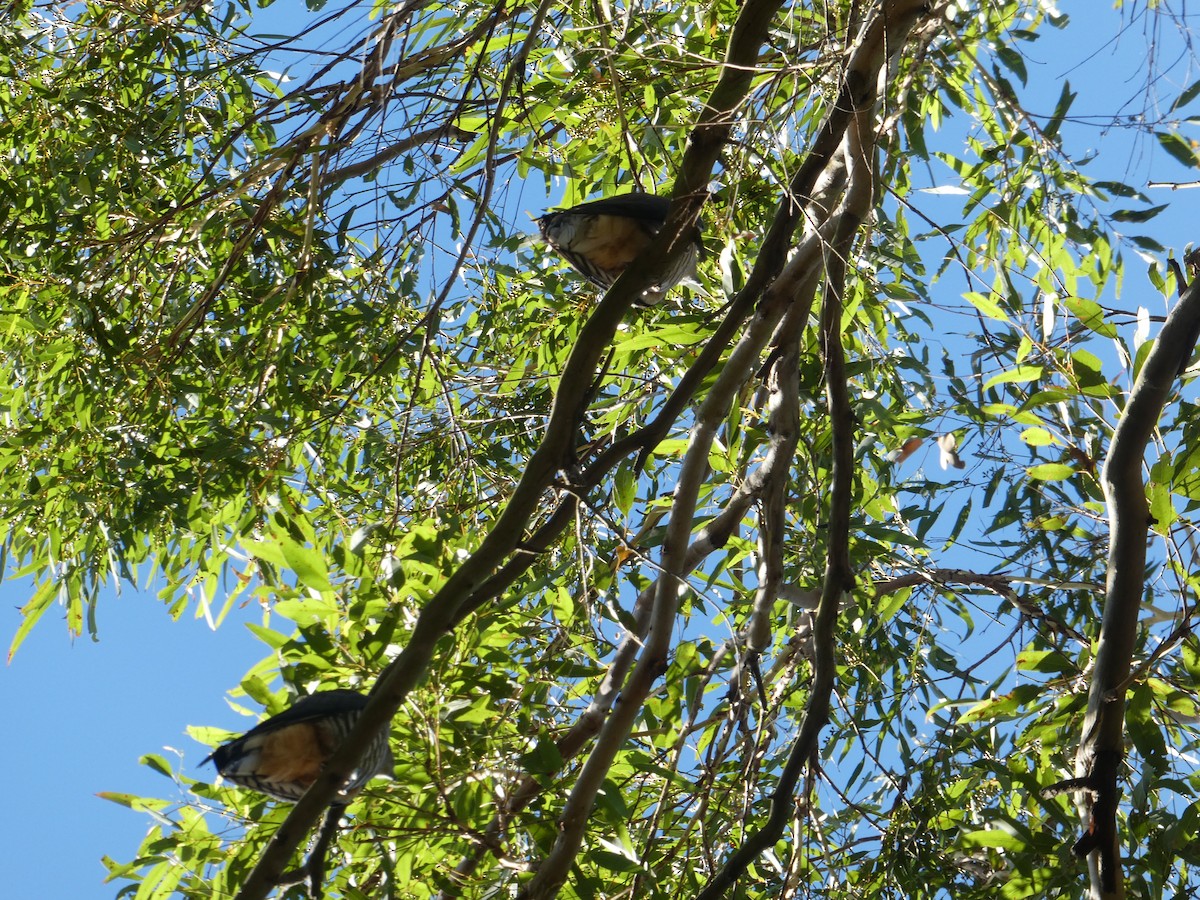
point(275, 331)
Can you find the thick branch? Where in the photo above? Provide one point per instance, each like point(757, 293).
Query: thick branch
point(837, 580)
point(615, 731)
point(653, 659)
point(439, 614)
point(711, 537)
point(838, 577)
point(796, 285)
point(715, 124)
point(680, 558)
point(1103, 741)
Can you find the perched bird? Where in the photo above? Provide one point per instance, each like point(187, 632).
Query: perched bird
point(283, 756)
point(599, 239)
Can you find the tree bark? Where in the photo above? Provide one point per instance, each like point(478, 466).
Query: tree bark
point(1102, 746)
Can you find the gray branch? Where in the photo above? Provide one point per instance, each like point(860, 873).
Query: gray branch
point(440, 613)
point(1101, 747)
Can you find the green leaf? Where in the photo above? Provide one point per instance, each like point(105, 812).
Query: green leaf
point(473, 713)
point(268, 551)
point(1138, 215)
point(308, 564)
point(543, 759)
point(1003, 840)
point(1118, 189)
point(614, 862)
point(892, 603)
point(1091, 314)
point(1186, 480)
point(669, 336)
point(1038, 437)
point(1018, 886)
point(42, 599)
point(1018, 375)
point(1178, 148)
point(1147, 243)
point(1013, 61)
point(1147, 736)
point(157, 763)
point(1065, 98)
point(1050, 472)
point(1158, 489)
point(986, 305)
point(268, 636)
point(624, 488)
point(1002, 707)
point(1189, 94)
point(1049, 662)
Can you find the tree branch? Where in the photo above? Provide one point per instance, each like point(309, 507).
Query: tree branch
point(1101, 747)
point(445, 132)
point(439, 614)
point(838, 579)
point(710, 538)
point(784, 427)
point(997, 583)
point(792, 293)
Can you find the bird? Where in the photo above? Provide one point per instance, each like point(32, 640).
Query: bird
point(602, 237)
point(282, 756)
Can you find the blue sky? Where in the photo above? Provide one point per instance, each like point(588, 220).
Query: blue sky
point(80, 714)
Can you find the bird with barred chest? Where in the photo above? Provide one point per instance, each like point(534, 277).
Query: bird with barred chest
point(601, 238)
point(283, 756)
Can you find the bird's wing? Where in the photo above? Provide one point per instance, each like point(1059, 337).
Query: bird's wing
point(306, 709)
point(645, 207)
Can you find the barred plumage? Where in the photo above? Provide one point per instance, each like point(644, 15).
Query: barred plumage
point(601, 238)
point(283, 756)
